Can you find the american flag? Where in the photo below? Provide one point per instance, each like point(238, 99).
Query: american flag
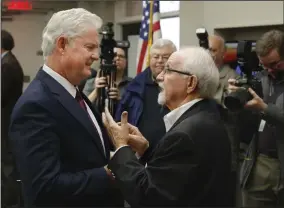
point(150, 31)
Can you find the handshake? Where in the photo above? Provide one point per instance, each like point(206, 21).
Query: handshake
point(124, 134)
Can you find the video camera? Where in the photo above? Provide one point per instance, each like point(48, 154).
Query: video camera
point(107, 65)
point(248, 63)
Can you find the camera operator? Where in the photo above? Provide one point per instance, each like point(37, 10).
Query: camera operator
point(93, 84)
point(262, 171)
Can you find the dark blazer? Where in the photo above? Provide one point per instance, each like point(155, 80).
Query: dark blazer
point(12, 79)
point(189, 167)
point(58, 151)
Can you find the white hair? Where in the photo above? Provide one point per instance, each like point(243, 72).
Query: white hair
point(163, 43)
point(162, 94)
point(70, 23)
point(198, 61)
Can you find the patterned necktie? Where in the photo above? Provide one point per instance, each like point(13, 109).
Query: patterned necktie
point(80, 100)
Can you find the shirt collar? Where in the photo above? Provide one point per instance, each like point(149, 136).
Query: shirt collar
point(175, 114)
point(61, 80)
point(3, 54)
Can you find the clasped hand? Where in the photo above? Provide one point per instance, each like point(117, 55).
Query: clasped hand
point(255, 103)
point(123, 133)
point(101, 82)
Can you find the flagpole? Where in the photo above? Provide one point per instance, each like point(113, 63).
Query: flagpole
point(150, 34)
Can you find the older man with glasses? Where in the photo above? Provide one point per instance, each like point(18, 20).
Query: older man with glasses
point(191, 164)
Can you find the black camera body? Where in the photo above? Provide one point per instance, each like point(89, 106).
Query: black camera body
point(107, 65)
point(248, 63)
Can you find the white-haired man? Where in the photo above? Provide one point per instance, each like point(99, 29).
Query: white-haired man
point(191, 164)
point(140, 96)
point(58, 139)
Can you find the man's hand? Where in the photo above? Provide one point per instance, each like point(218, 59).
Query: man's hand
point(119, 134)
point(109, 173)
point(136, 140)
point(100, 82)
point(256, 103)
point(232, 86)
point(113, 93)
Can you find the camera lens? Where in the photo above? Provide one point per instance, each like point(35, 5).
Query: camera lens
point(235, 101)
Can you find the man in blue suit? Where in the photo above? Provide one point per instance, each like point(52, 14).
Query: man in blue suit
point(59, 142)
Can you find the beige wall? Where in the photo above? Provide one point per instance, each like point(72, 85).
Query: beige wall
point(227, 14)
point(26, 30)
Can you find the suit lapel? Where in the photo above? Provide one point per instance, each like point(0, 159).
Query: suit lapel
point(100, 122)
point(204, 104)
point(72, 106)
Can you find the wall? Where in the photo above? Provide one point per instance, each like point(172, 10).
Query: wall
point(226, 14)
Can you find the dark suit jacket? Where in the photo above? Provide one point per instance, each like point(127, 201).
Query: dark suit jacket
point(189, 167)
point(58, 151)
point(12, 79)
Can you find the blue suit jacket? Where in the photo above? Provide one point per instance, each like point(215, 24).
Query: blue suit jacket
point(132, 99)
point(58, 151)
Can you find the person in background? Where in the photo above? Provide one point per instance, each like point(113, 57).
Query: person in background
point(140, 97)
point(59, 142)
point(92, 85)
point(262, 172)
point(217, 49)
point(190, 166)
point(12, 80)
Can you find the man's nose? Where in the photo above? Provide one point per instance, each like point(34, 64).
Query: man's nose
point(95, 56)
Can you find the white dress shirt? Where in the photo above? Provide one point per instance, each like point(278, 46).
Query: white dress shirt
point(72, 90)
point(3, 54)
point(175, 114)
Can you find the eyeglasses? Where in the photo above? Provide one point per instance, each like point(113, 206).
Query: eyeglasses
point(119, 56)
point(168, 70)
point(163, 57)
point(273, 65)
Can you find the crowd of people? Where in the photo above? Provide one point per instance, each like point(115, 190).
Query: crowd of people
point(171, 140)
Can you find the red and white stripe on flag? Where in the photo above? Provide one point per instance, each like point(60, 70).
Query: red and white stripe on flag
point(150, 31)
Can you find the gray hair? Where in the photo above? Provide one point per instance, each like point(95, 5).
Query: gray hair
point(270, 40)
point(162, 43)
point(70, 23)
point(198, 61)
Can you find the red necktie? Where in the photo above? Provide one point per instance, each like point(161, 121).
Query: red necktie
point(80, 100)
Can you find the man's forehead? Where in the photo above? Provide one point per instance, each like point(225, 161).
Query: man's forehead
point(176, 59)
point(162, 51)
point(216, 41)
point(90, 34)
point(119, 51)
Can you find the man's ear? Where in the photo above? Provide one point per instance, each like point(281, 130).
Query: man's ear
point(61, 44)
point(192, 84)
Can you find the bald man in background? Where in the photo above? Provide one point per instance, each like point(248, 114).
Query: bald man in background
point(217, 49)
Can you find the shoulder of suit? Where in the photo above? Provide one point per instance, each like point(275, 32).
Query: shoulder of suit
point(229, 71)
point(11, 60)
